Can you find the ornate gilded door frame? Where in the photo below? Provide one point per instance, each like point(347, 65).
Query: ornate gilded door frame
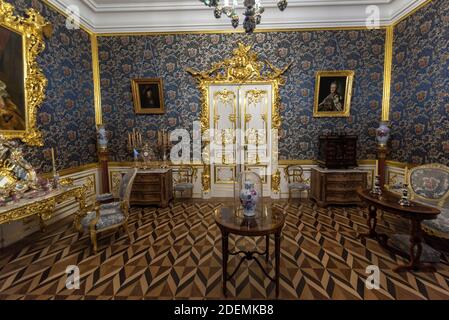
point(244, 67)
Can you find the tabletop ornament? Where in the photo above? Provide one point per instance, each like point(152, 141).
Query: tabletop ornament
point(377, 190)
point(17, 176)
point(404, 201)
point(248, 198)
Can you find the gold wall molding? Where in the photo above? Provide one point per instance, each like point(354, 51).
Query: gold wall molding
point(398, 164)
point(408, 14)
point(96, 79)
point(267, 30)
point(388, 62)
point(120, 164)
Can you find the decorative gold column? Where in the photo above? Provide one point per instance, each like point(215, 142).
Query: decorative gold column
point(96, 79)
point(382, 149)
point(388, 62)
point(103, 154)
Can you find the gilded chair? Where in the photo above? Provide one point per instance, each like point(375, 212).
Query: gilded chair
point(296, 180)
point(184, 181)
point(111, 215)
point(429, 184)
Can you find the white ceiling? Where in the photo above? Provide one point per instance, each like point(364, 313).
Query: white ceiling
point(114, 16)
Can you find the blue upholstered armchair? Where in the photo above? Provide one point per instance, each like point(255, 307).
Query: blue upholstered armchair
point(429, 184)
point(111, 215)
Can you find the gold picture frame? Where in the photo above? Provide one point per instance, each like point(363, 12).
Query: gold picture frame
point(331, 100)
point(22, 91)
point(148, 96)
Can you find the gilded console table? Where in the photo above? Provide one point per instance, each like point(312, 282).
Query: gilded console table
point(43, 206)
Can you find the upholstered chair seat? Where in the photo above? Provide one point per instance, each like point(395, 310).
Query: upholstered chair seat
point(299, 186)
point(183, 186)
point(107, 219)
point(439, 226)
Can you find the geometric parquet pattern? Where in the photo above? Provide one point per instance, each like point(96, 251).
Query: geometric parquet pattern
point(175, 253)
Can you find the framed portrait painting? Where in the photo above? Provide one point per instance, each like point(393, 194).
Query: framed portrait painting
point(22, 83)
point(333, 91)
point(148, 96)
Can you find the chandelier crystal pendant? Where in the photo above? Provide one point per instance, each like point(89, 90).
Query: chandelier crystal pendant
point(253, 11)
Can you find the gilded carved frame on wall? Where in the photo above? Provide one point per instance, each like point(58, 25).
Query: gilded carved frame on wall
point(31, 27)
point(244, 67)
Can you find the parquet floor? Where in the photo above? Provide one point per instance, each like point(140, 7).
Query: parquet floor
point(175, 253)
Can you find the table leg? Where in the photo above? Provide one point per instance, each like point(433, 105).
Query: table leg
point(225, 253)
point(42, 224)
point(267, 246)
point(371, 223)
point(277, 253)
point(415, 263)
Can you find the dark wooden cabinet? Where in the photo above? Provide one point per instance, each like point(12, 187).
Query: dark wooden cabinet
point(337, 151)
point(337, 186)
point(152, 187)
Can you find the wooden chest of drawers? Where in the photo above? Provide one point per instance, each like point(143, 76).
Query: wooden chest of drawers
point(337, 186)
point(152, 187)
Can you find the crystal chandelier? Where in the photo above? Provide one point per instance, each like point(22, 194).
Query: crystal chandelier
point(253, 11)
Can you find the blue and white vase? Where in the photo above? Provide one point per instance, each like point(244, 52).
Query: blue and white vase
point(383, 133)
point(102, 138)
point(248, 199)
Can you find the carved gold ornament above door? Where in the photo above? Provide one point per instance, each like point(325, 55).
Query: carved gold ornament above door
point(22, 83)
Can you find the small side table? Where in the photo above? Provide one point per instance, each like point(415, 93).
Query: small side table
point(269, 221)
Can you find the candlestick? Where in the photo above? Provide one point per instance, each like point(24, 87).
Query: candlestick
point(53, 160)
point(404, 201)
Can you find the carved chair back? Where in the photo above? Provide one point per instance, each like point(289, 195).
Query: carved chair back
point(125, 189)
point(186, 174)
point(295, 174)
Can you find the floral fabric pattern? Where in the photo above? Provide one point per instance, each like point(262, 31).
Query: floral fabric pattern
point(420, 80)
point(67, 116)
point(430, 183)
point(123, 58)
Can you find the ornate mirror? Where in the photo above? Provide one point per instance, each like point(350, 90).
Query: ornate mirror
point(22, 83)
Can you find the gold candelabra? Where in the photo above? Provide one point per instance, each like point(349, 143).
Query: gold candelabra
point(135, 143)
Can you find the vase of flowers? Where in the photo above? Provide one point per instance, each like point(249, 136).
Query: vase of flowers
point(248, 198)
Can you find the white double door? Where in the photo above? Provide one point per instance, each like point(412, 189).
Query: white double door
point(241, 135)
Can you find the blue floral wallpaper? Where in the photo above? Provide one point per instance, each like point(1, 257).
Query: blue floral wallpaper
point(420, 98)
point(123, 58)
point(67, 116)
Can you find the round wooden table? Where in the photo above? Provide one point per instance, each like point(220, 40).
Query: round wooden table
point(268, 221)
point(415, 212)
